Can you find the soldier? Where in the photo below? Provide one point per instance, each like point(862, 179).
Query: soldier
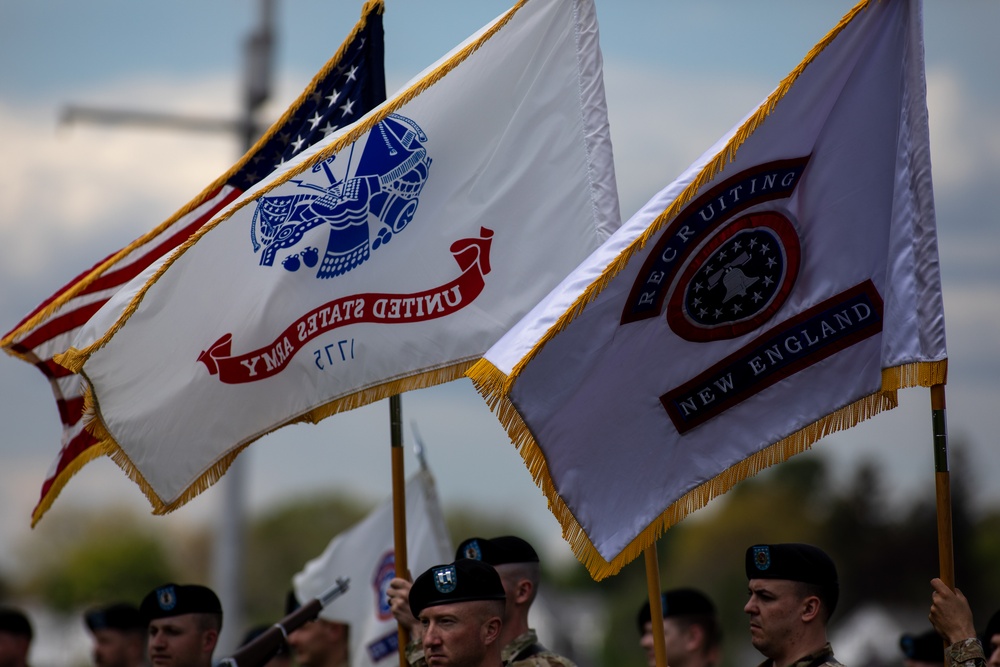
point(691, 632)
point(119, 632)
point(793, 591)
point(460, 607)
point(518, 566)
point(184, 624)
point(923, 650)
point(952, 618)
point(15, 638)
point(991, 640)
point(318, 643)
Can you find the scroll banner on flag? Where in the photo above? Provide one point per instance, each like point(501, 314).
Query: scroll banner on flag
point(365, 555)
point(784, 287)
point(350, 84)
point(388, 257)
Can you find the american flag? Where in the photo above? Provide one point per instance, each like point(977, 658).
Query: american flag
point(350, 84)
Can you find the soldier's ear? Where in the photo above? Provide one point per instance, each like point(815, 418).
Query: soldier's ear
point(811, 607)
point(491, 630)
point(523, 591)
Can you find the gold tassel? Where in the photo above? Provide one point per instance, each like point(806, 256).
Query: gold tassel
point(109, 446)
point(492, 384)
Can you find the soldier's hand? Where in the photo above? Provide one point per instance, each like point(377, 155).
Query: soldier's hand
point(950, 613)
point(399, 602)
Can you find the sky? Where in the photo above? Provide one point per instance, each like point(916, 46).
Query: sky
point(678, 75)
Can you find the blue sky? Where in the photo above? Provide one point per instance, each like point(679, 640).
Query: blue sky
point(678, 75)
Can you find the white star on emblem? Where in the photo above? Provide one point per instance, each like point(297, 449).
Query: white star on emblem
point(717, 313)
point(708, 268)
point(757, 297)
point(737, 245)
point(753, 242)
point(702, 313)
point(737, 309)
point(765, 248)
point(771, 262)
point(723, 254)
point(696, 302)
point(347, 107)
point(768, 281)
point(697, 287)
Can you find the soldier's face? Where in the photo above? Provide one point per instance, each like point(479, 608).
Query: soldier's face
point(775, 610)
point(673, 643)
point(993, 651)
point(457, 635)
point(114, 648)
point(180, 641)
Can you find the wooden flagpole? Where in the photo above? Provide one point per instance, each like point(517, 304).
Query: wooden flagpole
point(942, 483)
point(655, 604)
point(399, 508)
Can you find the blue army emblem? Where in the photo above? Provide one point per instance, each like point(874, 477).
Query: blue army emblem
point(473, 551)
point(365, 201)
point(445, 579)
point(762, 557)
point(166, 597)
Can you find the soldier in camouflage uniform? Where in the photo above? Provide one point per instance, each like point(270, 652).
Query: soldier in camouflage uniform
point(691, 633)
point(793, 591)
point(951, 616)
point(517, 564)
point(460, 606)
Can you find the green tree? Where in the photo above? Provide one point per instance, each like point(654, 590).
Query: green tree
point(90, 559)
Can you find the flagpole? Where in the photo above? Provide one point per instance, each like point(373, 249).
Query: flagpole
point(655, 606)
point(399, 508)
point(942, 482)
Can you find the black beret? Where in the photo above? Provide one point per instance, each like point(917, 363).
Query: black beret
point(121, 616)
point(13, 622)
point(465, 580)
point(497, 551)
point(925, 647)
point(678, 602)
point(175, 599)
point(795, 562)
point(992, 628)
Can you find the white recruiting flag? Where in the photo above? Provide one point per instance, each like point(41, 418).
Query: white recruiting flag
point(785, 286)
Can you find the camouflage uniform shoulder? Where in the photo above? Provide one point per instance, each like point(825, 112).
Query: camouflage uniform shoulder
point(966, 653)
point(525, 651)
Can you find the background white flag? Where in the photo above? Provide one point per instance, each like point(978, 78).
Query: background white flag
point(364, 553)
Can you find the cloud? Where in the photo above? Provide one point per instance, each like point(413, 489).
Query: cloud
point(60, 189)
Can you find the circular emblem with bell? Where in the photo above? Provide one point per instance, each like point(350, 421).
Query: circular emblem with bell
point(737, 280)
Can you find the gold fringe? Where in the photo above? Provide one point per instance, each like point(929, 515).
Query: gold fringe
point(709, 172)
point(45, 503)
point(493, 385)
point(108, 445)
point(377, 6)
point(362, 127)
